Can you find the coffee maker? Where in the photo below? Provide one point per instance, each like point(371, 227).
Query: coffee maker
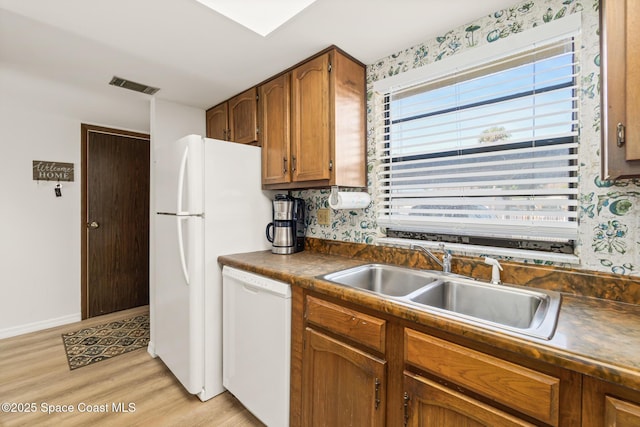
point(286, 232)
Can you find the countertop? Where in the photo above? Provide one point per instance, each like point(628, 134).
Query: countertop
point(596, 337)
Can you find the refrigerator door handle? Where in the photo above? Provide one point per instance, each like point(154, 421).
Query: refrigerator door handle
point(181, 214)
point(181, 174)
point(183, 259)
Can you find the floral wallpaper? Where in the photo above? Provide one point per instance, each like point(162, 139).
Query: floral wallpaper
point(609, 227)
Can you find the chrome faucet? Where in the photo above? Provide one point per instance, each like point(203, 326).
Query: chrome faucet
point(446, 257)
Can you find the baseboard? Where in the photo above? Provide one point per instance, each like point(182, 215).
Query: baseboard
point(38, 326)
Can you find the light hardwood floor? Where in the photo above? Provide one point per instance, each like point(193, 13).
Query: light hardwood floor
point(34, 370)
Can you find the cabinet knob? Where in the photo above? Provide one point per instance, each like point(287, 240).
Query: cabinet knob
point(93, 224)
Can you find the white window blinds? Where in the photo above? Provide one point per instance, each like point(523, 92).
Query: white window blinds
point(489, 151)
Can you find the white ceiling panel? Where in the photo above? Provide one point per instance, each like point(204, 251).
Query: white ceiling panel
point(199, 57)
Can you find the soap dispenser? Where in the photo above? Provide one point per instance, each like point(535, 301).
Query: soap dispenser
point(495, 270)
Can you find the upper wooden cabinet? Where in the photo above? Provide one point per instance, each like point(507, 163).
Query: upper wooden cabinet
point(312, 121)
point(235, 120)
point(274, 112)
point(243, 117)
point(620, 69)
point(217, 122)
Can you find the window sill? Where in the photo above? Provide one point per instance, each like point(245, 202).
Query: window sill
point(475, 250)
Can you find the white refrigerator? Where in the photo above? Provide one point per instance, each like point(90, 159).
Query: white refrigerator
point(208, 202)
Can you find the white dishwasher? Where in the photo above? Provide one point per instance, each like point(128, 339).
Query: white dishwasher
point(256, 343)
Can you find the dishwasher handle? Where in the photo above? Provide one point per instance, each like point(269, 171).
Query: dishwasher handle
point(256, 282)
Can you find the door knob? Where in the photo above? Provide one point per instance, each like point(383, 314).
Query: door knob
point(93, 224)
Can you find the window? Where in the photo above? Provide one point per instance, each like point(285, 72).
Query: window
point(487, 152)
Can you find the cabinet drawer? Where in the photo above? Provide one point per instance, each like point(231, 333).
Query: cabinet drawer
point(525, 390)
point(359, 327)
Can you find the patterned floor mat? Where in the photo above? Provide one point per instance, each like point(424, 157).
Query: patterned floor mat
point(90, 345)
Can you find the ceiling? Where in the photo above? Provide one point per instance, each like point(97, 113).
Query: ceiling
point(197, 56)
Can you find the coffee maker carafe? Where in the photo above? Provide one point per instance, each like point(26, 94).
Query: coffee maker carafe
point(286, 232)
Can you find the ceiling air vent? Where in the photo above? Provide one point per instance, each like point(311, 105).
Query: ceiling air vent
point(128, 84)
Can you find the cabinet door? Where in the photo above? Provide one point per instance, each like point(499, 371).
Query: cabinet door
point(620, 68)
point(243, 117)
point(428, 403)
point(341, 386)
point(605, 404)
point(310, 112)
point(217, 122)
point(632, 56)
point(274, 137)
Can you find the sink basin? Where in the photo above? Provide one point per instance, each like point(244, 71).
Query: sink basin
point(524, 310)
point(383, 279)
point(516, 309)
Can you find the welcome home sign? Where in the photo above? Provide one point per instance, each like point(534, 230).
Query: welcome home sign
point(52, 171)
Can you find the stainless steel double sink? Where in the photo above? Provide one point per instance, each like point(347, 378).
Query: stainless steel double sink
point(516, 309)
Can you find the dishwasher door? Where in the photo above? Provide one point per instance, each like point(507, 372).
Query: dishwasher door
point(256, 343)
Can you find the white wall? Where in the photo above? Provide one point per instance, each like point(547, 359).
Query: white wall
point(40, 233)
point(169, 122)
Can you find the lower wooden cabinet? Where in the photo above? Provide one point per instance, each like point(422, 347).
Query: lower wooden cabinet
point(606, 404)
point(527, 391)
point(428, 403)
point(344, 373)
point(354, 366)
point(342, 385)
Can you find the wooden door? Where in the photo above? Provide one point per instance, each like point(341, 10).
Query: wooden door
point(341, 385)
point(274, 110)
point(310, 133)
point(115, 243)
point(217, 122)
point(243, 117)
point(429, 404)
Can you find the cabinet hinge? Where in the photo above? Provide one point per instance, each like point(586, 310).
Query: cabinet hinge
point(406, 408)
point(330, 165)
point(377, 395)
point(620, 135)
point(330, 67)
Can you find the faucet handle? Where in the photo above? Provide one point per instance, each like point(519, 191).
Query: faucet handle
point(446, 258)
